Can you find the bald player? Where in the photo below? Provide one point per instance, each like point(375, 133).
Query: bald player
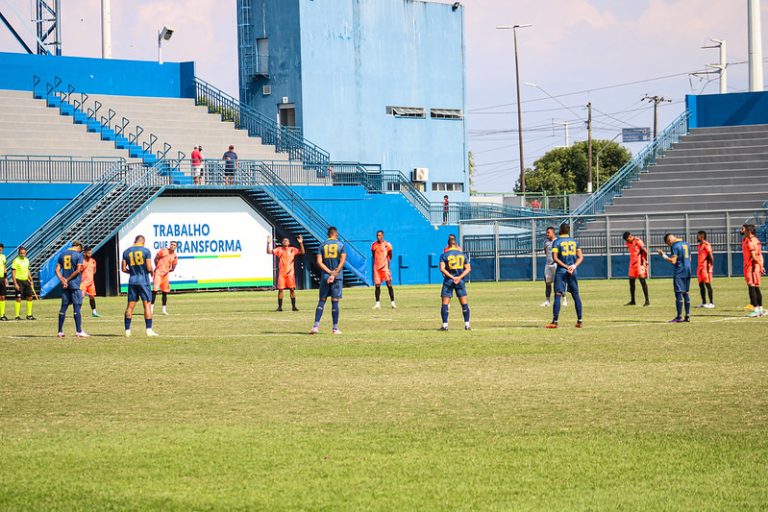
point(382, 255)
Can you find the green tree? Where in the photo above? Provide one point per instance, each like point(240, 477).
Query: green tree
point(564, 170)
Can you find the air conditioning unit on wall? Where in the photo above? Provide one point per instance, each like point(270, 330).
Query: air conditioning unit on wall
point(420, 175)
point(266, 90)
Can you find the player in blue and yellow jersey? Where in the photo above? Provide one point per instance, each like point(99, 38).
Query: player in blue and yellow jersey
point(567, 256)
point(69, 269)
point(680, 257)
point(330, 258)
point(137, 261)
point(454, 265)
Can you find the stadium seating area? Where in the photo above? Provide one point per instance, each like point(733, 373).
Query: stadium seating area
point(709, 169)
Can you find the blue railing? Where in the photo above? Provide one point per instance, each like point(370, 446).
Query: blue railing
point(50, 169)
point(285, 140)
point(598, 201)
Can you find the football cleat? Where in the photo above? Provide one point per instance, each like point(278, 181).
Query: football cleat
point(60, 335)
point(151, 333)
point(3, 318)
point(314, 330)
point(82, 334)
point(646, 304)
point(337, 331)
point(443, 328)
point(94, 314)
point(544, 304)
point(394, 306)
point(749, 307)
point(294, 308)
point(687, 320)
point(467, 327)
point(279, 308)
point(30, 317)
point(631, 303)
point(754, 314)
point(702, 305)
point(579, 324)
point(676, 320)
point(709, 306)
point(553, 325)
point(165, 312)
point(18, 318)
point(376, 306)
point(127, 333)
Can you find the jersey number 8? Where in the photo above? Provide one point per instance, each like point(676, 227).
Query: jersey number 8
point(67, 262)
point(137, 258)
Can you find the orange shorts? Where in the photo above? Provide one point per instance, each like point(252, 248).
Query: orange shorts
point(704, 275)
point(381, 276)
point(162, 283)
point(89, 289)
point(638, 271)
point(287, 282)
point(752, 275)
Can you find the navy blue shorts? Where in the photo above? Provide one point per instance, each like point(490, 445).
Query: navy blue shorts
point(681, 284)
point(332, 290)
point(139, 291)
point(566, 282)
point(449, 287)
point(71, 296)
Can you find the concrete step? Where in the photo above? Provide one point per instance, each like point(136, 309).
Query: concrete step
point(141, 100)
point(714, 205)
point(707, 152)
point(674, 182)
point(78, 151)
point(723, 137)
point(719, 130)
point(693, 188)
point(670, 198)
point(670, 166)
point(678, 158)
point(732, 143)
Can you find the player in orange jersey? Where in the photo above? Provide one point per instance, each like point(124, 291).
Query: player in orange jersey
point(165, 263)
point(638, 267)
point(286, 273)
point(382, 255)
point(704, 269)
point(87, 285)
point(752, 251)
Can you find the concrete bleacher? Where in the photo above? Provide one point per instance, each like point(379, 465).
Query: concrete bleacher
point(29, 128)
point(183, 125)
point(711, 169)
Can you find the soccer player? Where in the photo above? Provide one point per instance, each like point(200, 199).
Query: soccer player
point(680, 257)
point(165, 263)
point(638, 267)
point(3, 285)
point(568, 256)
point(454, 265)
point(137, 261)
point(330, 258)
point(88, 285)
point(382, 255)
point(704, 269)
point(550, 266)
point(69, 269)
point(752, 251)
point(22, 282)
point(286, 272)
point(451, 242)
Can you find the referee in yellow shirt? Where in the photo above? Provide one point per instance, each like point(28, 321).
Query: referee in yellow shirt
point(22, 282)
point(3, 285)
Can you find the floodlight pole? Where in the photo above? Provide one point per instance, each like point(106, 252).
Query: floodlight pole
point(106, 30)
point(159, 47)
point(755, 46)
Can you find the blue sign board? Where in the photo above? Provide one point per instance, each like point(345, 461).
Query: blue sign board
point(636, 135)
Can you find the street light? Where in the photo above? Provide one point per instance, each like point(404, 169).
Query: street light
point(598, 159)
point(519, 108)
point(163, 34)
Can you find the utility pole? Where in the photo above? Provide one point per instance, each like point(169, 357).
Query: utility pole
point(656, 100)
point(589, 148)
point(721, 67)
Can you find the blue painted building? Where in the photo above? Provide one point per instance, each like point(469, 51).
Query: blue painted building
point(373, 81)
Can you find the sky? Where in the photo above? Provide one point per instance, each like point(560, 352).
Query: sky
point(608, 52)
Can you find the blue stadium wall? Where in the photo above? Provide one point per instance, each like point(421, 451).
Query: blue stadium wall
point(343, 62)
point(735, 109)
point(99, 76)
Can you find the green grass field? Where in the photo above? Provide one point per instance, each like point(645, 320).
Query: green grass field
point(235, 407)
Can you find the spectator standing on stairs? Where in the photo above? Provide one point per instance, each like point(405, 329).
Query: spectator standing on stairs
point(197, 165)
point(230, 163)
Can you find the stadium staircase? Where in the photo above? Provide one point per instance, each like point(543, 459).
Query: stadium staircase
point(709, 169)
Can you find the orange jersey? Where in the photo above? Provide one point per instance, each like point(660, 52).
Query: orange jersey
point(749, 246)
point(285, 257)
point(382, 253)
point(636, 255)
point(166, 261)
point(705, 252)
point(89, 269)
